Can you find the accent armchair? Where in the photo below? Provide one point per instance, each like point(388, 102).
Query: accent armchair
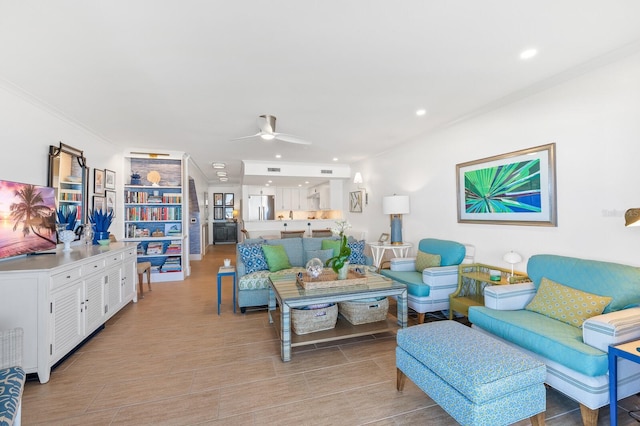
point(429, 289)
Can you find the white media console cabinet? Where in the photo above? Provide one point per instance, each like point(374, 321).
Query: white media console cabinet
point(60, 299)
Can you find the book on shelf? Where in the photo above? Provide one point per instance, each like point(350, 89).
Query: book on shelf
point(173, 249)
point(171, 264)
point(170, 198)
point(155, 247)
point(146, 213)
point(155, 199)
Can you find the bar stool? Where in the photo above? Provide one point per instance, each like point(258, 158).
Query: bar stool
point(291, 234)
point(321, 233)
point(143, 267)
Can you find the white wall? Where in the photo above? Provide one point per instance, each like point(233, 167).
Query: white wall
point(26, 131)
point(593, 119)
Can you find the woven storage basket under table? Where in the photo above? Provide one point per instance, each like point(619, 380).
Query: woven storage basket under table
point(365, 310)
point(306, 321)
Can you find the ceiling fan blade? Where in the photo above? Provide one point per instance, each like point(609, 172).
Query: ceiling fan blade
point(292, 139)
point(247, 137)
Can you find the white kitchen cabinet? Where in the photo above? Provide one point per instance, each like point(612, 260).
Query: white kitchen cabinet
point(67, 320)
point(291, 199)
point(325, 197)
point(61, 299)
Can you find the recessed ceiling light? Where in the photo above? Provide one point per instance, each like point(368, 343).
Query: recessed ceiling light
point(218, 165)
point(306, 182)
point(528, 54)
point(335, 158)
point(270, 181)
point(221, 173)
point(421, 112)
point(299, 184)
point(266, 184)
point(278, 156)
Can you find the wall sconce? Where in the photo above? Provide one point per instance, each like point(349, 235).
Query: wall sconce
point(396, 206)
point(512, 257)
point(357, 178)
point(632, 217)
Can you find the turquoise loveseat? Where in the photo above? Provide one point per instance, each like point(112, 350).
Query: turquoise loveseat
point(252, 288)
point(429, 290)
point(575, 357)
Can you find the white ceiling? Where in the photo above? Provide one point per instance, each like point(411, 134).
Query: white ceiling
point(190, 75)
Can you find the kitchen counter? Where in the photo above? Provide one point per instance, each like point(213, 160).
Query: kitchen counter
point(273, 227)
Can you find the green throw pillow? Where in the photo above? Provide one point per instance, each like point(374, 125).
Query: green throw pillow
point(276, 256)
point(426, 260)
point(566, 304)
point(331, 244)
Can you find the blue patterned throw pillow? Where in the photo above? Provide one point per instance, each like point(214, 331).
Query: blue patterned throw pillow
point(357, 253)
point(252, 257)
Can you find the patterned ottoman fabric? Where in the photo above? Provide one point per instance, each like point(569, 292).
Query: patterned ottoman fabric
point(260, 279)
point(475, 378)
point(11, 386)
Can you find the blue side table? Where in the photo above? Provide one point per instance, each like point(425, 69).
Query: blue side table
point(630, 351)
point(226, 271)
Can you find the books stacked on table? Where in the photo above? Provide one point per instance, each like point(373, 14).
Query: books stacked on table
point(172, 264)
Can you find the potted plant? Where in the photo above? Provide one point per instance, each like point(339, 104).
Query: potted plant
point(340, 262)
point(66, 226)
point(67, 217)
point(100, 221)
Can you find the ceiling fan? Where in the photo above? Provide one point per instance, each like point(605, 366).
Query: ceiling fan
point(267, 126)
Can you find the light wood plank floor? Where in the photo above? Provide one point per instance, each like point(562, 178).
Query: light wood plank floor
point(170, 359)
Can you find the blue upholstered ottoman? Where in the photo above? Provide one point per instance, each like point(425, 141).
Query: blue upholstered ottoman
point(475, 378)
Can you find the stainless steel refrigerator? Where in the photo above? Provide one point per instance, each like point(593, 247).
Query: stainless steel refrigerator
point(261, 207)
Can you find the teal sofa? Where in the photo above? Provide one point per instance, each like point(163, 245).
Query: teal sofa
point(576, 357)
point(252, 288)
point(429, 290)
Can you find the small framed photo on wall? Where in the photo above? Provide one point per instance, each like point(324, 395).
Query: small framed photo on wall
point(228, 199)
point(98, 181)
point(99, 203)
point(110, 202)
point(217, 199)
point(218, 213)
point(355, 202)
point(228, 213)
point(109, 179)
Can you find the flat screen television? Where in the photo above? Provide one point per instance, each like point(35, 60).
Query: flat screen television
point(27, 218)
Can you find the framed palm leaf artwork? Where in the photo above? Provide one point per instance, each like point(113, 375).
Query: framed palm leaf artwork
point(517, 188)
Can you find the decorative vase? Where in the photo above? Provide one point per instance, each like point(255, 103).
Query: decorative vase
point(66, 237)
point(342, 272)
point(100, 235)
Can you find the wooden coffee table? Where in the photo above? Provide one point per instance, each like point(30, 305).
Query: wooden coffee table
point(289, 295)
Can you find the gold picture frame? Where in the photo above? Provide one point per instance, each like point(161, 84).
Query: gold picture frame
point(355, 202)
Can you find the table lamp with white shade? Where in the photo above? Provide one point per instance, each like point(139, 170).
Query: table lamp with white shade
point(396, 206)
point(512, 258)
